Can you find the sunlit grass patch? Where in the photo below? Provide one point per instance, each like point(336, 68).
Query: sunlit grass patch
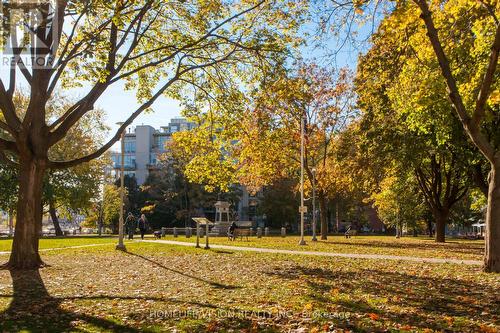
point(384, 245)
point(58, 242)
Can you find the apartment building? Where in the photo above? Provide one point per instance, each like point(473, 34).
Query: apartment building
point(143, 145)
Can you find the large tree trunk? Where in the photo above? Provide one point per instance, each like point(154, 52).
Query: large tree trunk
point(492, 240)
point(24, 253)
point(441, 218)
point(55, 219)
point(322, 215)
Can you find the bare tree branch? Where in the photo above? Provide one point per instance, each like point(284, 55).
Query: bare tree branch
point(8, 109)
point(135, 114)
point(8, 145)
point(70, 118)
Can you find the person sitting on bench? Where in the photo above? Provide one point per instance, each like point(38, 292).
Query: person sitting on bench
point(231, 230)
point(348, 232)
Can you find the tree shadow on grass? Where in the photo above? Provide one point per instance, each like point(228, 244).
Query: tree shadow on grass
point(211, 283)
point(33, 309)
point(222, 252)
point(431, 299)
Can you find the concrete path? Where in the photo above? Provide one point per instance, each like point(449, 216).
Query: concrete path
point(326, 254)
point(63, 248)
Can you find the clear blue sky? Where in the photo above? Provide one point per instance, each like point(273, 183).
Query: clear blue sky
point(119, 104)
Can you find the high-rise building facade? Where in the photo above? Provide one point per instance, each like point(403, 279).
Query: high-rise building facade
point(143, 145)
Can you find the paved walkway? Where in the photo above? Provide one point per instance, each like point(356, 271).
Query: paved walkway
point(326, 254)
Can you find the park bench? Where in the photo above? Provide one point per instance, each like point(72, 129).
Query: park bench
point(240, 233)
point(350, 232)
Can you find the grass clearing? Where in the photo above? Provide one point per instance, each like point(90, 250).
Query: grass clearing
point(61, 242)
point(424, 247)
point(157, 287)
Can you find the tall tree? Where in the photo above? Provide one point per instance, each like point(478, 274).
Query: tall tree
point(157, 48)
point(398, 202)
point(407, 126)
point(476, 107)
point(111, 202)
point(462, 37)
point(455, 48)
point(67, 190)
point(270, 143)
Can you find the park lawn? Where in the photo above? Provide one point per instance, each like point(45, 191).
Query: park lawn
point(158, 287)
point(424, 247)
point(60, 242)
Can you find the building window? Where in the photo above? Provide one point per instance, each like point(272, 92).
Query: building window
point(129, 146)
point(161, 141)
point(153, 159)
point(116, 159)
point(129, 161)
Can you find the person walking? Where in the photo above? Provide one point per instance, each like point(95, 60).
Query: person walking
point(231, 230)
point(142, 224)
point(130, 225)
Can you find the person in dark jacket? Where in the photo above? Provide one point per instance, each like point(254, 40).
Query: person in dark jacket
point(130, 225)
point(142, 224)
point(231, 230)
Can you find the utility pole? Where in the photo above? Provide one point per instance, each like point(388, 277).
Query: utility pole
point(314, 239)
point(120, 246)
point(302, 207)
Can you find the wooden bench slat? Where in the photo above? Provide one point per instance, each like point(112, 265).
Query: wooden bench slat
point(239, 232)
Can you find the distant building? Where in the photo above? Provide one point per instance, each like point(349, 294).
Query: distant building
point(143, 145)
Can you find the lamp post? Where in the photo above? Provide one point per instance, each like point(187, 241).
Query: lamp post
point(206, 237)
point(120, 245)
point(314, 239)
point(302, 207)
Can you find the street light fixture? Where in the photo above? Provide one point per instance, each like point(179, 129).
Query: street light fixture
point(302, 208)
point(314, 239)
point(120, 246)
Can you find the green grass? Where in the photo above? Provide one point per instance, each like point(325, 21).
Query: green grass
point(158, 287)
point(386, 245)
point(57, 242)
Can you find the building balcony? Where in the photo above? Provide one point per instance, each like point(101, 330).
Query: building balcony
point(126, 166)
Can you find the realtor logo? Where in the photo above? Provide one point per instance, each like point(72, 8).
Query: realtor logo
point(29, 33)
